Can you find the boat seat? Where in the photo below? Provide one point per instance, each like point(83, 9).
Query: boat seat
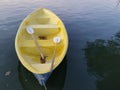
point(43, 19)
point(44, 43)
point(41, 67)
point(46, 29)
point(45, 26)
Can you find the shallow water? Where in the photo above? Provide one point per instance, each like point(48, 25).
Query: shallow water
point(93, 28)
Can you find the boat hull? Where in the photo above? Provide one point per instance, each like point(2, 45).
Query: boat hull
point(46, 26)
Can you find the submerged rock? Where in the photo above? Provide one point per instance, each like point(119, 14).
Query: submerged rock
point(7, 73)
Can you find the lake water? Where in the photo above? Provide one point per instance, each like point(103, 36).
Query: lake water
point(93, 57)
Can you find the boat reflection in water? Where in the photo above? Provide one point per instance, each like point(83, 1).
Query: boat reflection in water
point(103, 61)
point(55, 81)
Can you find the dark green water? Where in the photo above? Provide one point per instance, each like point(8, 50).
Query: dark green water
point(93, 57)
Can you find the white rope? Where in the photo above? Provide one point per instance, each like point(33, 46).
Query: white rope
point(44, 85)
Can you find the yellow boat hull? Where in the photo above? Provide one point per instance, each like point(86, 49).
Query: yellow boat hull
point(46, 26)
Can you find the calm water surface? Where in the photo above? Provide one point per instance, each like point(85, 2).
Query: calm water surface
point(93, 57)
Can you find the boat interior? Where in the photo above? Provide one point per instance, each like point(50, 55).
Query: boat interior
point(46, 27)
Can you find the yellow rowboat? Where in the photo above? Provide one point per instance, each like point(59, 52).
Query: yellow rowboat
point(46, 26)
